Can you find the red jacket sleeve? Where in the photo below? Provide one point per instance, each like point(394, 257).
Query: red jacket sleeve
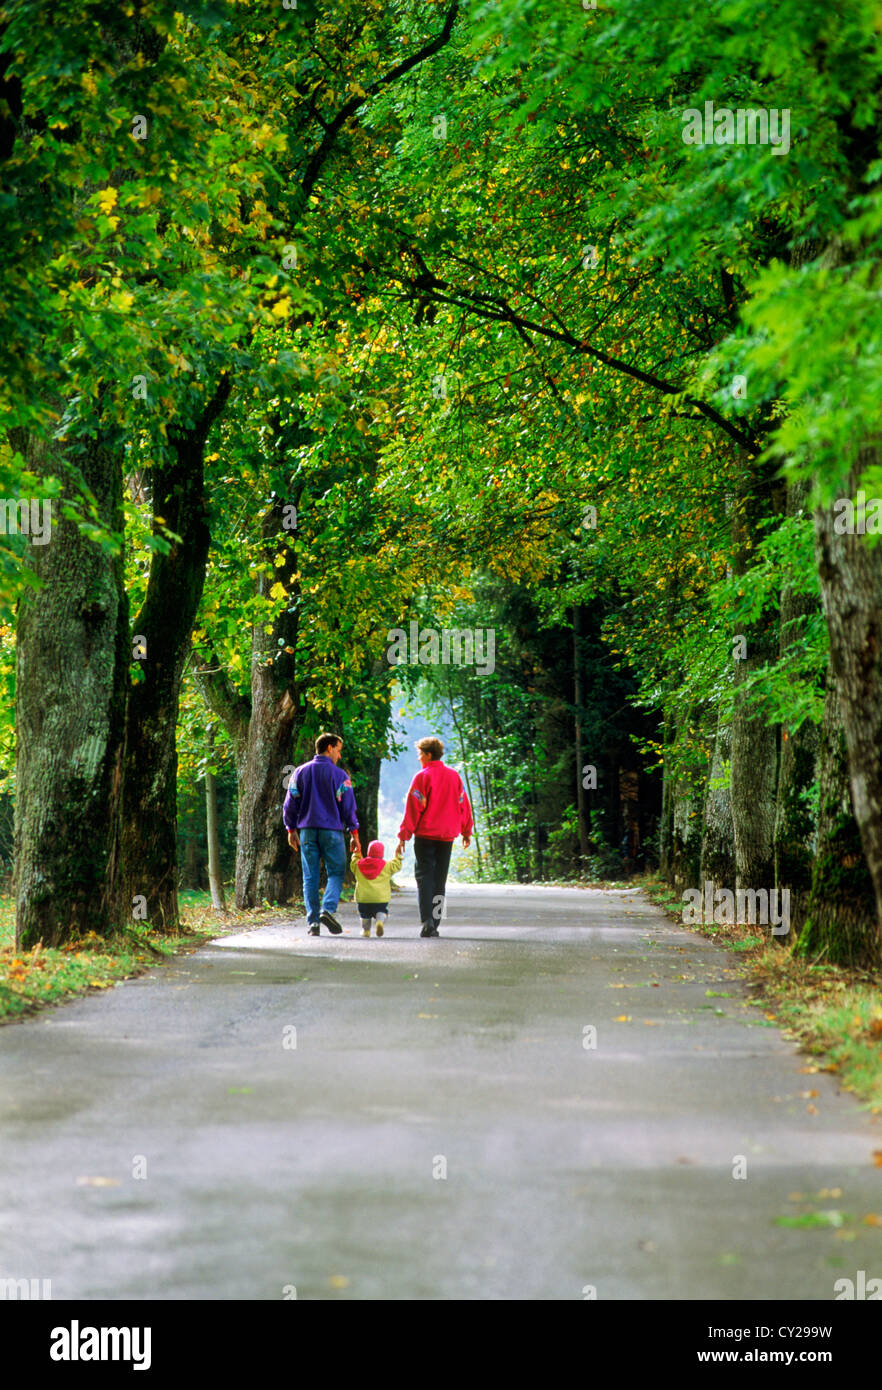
point(414, 808)
point(465, 814)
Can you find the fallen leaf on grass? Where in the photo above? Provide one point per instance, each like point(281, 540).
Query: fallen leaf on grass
point(807, 1095)
point(877, 1157)
point(811, 1110)
point(873, 1219)
point(622, 1018)
point(98, 1182)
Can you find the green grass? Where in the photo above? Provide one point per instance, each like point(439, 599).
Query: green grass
point(30, 980)
point(835, 1014)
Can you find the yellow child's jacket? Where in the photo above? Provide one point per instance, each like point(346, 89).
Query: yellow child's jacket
point(374, 890)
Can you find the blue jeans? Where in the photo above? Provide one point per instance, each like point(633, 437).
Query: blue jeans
point(317, 844)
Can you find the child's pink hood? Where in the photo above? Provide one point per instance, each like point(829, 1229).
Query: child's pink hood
point(374, 864)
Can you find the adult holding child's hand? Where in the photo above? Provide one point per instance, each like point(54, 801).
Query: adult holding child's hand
point(437, 810)
point(318, 809)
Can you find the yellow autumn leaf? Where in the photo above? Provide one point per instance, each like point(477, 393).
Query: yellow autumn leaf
point(622, 1018)
point(278, 591)
point(106, 199)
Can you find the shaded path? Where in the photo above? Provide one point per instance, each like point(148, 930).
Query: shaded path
point(271, 1166)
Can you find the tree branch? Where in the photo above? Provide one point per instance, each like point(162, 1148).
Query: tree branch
point(498, 311)
point(332, 130)
point(220, 695)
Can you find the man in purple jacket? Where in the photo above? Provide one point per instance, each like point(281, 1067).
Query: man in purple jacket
point(319, 806)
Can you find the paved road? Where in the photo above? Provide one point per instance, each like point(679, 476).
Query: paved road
point(439, 1130)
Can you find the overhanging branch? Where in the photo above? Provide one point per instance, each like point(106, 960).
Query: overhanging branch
point(427, 286)
point(349, 108)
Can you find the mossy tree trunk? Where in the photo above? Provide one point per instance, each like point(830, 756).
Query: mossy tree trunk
point(851, 587)
point(71, 674)
point(841, 926)
point(148, 815)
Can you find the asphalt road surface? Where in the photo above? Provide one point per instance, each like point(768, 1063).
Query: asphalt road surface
point(557, 1096)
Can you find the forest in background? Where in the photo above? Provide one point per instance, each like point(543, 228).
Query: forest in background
point(321, 322)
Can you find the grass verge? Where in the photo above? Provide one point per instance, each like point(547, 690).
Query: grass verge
point(30, 980)
point(834, 1013)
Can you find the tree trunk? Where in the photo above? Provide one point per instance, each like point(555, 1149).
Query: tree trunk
point(681, 829)
point(718, 839)
point(581, 809)
point(666, 817)
point(215, 877)
point(795, 829)
point(841, 926)
point(365, 773)
point(685, 865)
point(148, 821)
point(263, 731)
point(267, 869)
point(754, 745)
point(71, 673)
point(851, 587)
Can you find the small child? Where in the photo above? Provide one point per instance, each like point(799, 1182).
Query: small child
point(373, 884)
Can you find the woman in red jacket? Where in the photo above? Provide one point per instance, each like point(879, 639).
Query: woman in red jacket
point(437, 811)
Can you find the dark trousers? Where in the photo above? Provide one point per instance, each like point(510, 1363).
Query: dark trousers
point(432, 864)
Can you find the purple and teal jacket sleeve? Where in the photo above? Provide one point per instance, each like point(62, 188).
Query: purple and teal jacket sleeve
point(346, 802)
point(293, 800)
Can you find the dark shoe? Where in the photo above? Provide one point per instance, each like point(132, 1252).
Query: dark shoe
point(331, 923)
point(429, 930)
point(314, 929)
